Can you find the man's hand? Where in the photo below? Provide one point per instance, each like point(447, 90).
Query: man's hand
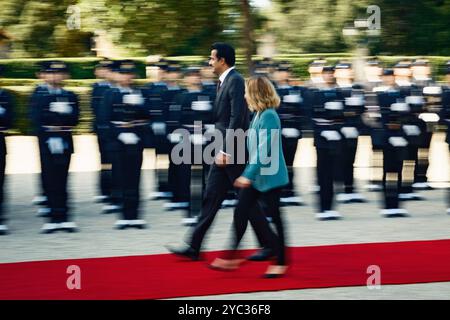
point(222, 160)
point(242, 182)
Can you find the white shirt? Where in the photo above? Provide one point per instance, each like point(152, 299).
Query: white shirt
point(224, 75)
point(222, 79)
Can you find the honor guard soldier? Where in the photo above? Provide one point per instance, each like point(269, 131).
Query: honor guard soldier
point(352, 96)
point(395, 151)
point(394, 143)
point(179, 178)
point(55, 113)
point(445, 116)
point(129, 112)
point(403, 76)
point(196, 117)
point(104, 73)
point(173, 111)
point(378, 79)
point(293, 111)
point(6, 105)
point(41, 89)
point(167, 92)
point(156, 137)
point(415, 130)
point(328, 118)
point(432, 95)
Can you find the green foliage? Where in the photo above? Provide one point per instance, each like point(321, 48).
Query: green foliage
point(419, 27)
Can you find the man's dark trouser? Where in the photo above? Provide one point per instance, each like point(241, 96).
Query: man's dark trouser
point(220, 180)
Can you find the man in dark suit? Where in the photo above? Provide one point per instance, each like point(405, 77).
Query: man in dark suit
point(230, 113)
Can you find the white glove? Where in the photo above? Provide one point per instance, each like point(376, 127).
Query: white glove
point(350, 132)
point(133, 99)
point(56, 145)
point(201, 105)
point(292, 98)
point(159, 128)
point(411, 130)
point(174, 137)
point(128, 138)
point(331, 135)
point(197, 139)
point(290, 132)
point(398, 141)
point(60, 107)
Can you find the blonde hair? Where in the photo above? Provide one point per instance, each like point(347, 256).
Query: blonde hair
point(261, 94)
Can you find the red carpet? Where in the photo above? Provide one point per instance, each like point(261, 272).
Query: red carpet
point(165, 276)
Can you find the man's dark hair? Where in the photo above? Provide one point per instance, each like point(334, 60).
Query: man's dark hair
point(226, 51)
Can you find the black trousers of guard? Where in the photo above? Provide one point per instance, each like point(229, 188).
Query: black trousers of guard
point(55, 169)
point(129, 162)
point(411, 155)
point(392, 166)
point(344, 170)
point(105, 176)
point(289, 149)
point(421, 168)
point(326, 159)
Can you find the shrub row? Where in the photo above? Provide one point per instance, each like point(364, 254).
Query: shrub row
point(82, 68)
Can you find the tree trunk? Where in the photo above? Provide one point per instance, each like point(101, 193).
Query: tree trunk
point(248, 37)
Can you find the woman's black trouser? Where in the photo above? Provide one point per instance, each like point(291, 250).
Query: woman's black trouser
point(249, 209)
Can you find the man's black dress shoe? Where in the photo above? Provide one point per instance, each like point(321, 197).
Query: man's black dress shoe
point(188, 253)
point(262, 255)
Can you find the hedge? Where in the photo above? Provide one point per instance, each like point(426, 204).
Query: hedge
point(82, 68)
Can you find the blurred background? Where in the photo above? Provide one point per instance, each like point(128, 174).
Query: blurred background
point(81, 32)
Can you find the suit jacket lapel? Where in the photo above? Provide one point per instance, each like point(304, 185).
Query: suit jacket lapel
point(222, 88)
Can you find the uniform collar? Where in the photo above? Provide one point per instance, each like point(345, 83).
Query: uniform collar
point(124, 89)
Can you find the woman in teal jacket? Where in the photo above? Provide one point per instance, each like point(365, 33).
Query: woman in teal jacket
point(262, 180)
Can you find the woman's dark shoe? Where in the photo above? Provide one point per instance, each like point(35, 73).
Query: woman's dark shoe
point(262, 255)
point(275, 271)
point(226, 265)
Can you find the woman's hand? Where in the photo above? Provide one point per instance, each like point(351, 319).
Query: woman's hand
point(242, 182)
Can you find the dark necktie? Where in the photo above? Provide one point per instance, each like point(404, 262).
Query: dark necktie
point(218, 85)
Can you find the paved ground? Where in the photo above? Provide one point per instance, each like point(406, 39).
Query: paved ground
point(97, 238)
